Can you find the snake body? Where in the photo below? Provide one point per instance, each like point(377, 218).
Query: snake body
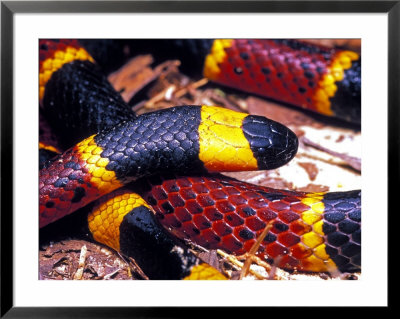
point(185, 139)
point(320, 79)
point(311, 232)
point(312, 77)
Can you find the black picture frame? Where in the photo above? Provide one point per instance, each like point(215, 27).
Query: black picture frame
point(9, 8)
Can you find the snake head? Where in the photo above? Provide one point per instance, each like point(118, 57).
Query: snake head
point(272, 143)
point(235, 141)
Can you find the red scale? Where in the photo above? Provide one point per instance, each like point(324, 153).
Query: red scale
point(288, 79)
point(221, 228)
point(255, 224)
point(71, 186)
point(261, 58)
point(201, 240)
point(194, 207)
point(258, 203)
point(293, 93)
point(245, 79)
point(224, 206)
point(48, 214)
point(302, 82)
point(279, 62)
point(297, 73)
point(231, 244)
point(249, 244)
point(91, 191)
point(213, 185)
point(231, 190)
point(277, 88)
point(290, 199)
point(186, 228)
point(276, 229)
point(278, 206)
point(236, 61)
point(288, 239)
point(201, 222)
point(266, 89)
point(176, 200)
point(187, 193)
point(258, 77)
point(67, 196)
point(159, 194)
point(227, 72)
point(64, 205)
point(210, 236)
point(196, 180)
point(183, 214)
point(183, 182)
point(276, 249)
point(54, 192)
point(299, 207)
point(205, 200)
point(288, 216)
point(170, 186)
point(212, 214)
point(299, 228)
point(233, 220)
point(200, 189)
point(218, 194)
point(288, 261)
point(266, 214)
point(299, 251)
point(250, 195)
point(237, 200)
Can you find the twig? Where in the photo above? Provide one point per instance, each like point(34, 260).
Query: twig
point(190, 87)
point(108, 276)
point(160, 96)
point(82, 258)
point(254, 249)
point(354, 162)
point(238, 264)
point(137, 269)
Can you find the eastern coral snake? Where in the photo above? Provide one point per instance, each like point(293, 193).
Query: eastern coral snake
point(126, 162)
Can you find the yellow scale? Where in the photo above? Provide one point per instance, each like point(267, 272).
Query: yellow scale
point(314, 239)
point(54, 63)
point(223, 146)
point(335, 73)
point(106, 217)
point(105, 180)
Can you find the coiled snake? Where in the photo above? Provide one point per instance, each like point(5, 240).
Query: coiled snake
point(314, 232)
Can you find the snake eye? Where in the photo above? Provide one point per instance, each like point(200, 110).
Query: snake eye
point(272, 143)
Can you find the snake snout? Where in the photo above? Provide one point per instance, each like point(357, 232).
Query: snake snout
point(272, 143)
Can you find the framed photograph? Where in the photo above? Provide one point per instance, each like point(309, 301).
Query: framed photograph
point(142, 104)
